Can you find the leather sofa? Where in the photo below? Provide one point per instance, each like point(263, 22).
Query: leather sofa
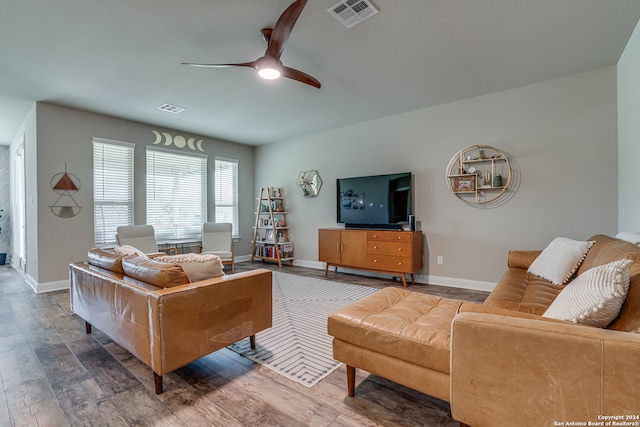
point(501, 362)
point(154, 311)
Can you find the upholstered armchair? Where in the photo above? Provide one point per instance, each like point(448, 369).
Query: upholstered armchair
point(141, 237)
point(216, 240)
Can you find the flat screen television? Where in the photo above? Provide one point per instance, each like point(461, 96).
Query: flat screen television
point(377, 201)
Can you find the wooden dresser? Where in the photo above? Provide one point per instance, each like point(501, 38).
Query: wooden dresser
point(384, 251)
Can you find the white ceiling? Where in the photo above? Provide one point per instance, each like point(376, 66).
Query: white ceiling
point(122, 58)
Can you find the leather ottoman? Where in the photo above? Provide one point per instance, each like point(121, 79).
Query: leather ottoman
point(397, 334)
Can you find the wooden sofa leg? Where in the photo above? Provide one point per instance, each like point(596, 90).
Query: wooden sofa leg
point(252, 340)
point(351, 380)
point(87, 327)
point(158, 382)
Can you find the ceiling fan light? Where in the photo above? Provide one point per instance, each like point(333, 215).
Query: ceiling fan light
point(269, 73)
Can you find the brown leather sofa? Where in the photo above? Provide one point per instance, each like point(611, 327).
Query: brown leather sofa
point(501, 363)
point(161, 317)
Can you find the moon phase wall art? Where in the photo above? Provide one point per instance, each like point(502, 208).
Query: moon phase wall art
point(166, 139)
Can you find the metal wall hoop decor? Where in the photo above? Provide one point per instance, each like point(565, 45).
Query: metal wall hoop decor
point(65, 183)
point(479, 174)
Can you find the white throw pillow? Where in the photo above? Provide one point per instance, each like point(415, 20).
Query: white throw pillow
point(560, 259)
point(595, 297)
point(629, 236)
point(128, 250)
point(197, 266)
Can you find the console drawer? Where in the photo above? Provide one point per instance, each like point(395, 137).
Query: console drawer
point(389, 248)
point(389, 263)
point(389, 236)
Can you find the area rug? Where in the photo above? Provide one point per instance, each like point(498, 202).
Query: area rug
point(298, 346)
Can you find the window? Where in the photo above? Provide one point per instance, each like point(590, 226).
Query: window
point(20, 221)
point(112, 189)
point(176, 193)
point(226, 176)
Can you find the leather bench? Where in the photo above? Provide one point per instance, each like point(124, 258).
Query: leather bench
point(397, 334)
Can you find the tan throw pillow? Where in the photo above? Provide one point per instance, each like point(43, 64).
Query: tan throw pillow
point(560, 259)
point(106, 259)
point(595, 297)
point(197, 266)
point(155, 273)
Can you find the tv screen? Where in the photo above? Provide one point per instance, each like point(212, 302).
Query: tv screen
point(378, 201)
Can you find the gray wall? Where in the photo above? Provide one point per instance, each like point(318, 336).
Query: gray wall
point(65, 135)
point(561, 135)
point(629, 135)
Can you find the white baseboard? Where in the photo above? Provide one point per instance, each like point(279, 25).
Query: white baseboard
point(49, 286)
point(31, 282)
point(452, 282)
point(39, 288)
point(455, 282)
point(309, 264)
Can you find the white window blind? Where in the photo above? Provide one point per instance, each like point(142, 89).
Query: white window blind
point(176, 193)
point(226, 192)
point(112, 189)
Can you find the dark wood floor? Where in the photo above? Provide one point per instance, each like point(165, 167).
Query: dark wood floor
point(53, 374)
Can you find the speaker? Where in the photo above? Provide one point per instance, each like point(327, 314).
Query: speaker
point(412, 222)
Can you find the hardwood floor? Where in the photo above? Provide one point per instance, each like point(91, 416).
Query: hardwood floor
point(53, 374)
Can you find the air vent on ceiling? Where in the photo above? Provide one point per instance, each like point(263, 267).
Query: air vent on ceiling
point(352, 12)
point(171, 108)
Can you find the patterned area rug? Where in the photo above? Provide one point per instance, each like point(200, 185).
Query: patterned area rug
point(298, 346)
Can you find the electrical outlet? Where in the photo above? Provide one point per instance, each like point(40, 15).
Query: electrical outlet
point(440, 260)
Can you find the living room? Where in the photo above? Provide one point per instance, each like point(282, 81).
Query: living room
point(572, 139)
point(571, 122)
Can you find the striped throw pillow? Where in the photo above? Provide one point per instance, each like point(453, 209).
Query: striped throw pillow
point(595, 297)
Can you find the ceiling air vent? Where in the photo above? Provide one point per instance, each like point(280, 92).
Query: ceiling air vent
point(352, 12)
point(170, 108)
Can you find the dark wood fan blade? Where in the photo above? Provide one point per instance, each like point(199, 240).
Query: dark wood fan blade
point(283, 28)
point(251, 64)
point(290, 73)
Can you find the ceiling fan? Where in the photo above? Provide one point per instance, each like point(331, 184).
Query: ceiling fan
point(269, 65)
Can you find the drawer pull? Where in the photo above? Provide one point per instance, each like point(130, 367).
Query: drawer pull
point(399, 249)
point(375, 236)
point(399, 263)
point(375, 260)
point(375, 247)
point(399, 237)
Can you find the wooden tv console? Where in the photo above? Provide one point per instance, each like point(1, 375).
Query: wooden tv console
point(383, 251)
